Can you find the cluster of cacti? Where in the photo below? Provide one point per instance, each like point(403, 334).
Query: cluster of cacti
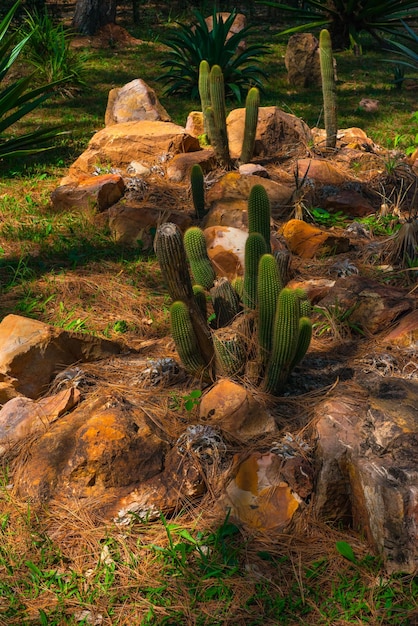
point(328, 88)
point(260, 328)
point(212, 97)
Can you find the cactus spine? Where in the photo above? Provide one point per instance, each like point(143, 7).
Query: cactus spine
point(252, 104)
point(328, 88)
point(230, 352)
point(225, 302)
point(259, 213)
point(196, 251)
point(198, 190)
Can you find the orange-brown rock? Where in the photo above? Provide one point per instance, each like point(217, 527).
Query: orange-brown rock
point(367, 442)
point(133, 102)
point(93, 192)
point(235, 187)
point(102, 447)
point(277, 132)
point(323, 172)
point(233, 409)
point(131, 223)
point(308, 241)
point(180, 166)
point(258, 495)
point(21, 417)
point(194, 123)
point(32, 353)
point(350, 202)
point(405, 333)
point(315, 288)
point(374, 306)
point(119, 144)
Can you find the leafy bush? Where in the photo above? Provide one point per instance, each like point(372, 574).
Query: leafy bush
point(49, 52)
point(191, 45)
point(346, 19)
point(17, 100)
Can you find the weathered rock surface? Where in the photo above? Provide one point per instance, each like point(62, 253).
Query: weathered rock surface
point(32, 353)
point(131, 222)
point(226, 249)
point(133, 102)
point(374, 306)
point(143, 141)
point(367, 450)
point(277, 132)
point(231, 408)
point(179, 167)
point(102, 446)
point(302, 60)
point(92, 192)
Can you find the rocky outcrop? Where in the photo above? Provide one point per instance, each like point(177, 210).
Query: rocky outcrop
point(302, 60)
point(134, 102)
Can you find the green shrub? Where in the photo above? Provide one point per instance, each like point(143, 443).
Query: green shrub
point(346, 19)
point(49, 52)
point(188, 46)
point(17, 99)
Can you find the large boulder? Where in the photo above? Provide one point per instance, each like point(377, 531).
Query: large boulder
point(118, 145)
point(32, 353)
point(133, 102)
point(92, 192)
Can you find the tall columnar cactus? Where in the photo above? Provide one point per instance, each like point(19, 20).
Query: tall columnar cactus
point(216, 117)
point(198, 190)
point(255, 247)
point(259, 213)
point(268, 288)
point(204, 91)
point(196, 251)
point(252, 104)
point(285, 341)
point(328, 88)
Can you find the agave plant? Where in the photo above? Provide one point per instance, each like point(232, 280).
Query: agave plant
point(408, 55)
point(17, 99)
point(191, 45)
point(346, 19)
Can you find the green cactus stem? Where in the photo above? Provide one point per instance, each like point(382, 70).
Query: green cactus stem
point(285, 341)
point(225, 302)
point(200, 297)
point(304, 340)
point(171, 255)
point(252, 104)
point(255, 247)
point(197, 255)
point(283, 259)
point(216, 116)
point(198, 190)
point(268, 289)
point(329, 93)
point(259, 213)
point(185, 339)
point(204, 91)
point(238, 285)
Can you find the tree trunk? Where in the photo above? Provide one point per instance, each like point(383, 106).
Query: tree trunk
point(91, 15)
